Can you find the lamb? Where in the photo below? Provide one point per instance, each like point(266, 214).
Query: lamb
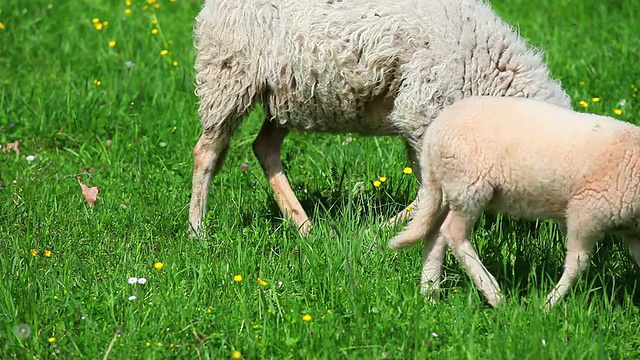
point(367, 67)
point(533, 160)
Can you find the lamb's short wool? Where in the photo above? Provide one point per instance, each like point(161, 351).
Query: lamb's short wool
point(370, 67)
point(533, 160)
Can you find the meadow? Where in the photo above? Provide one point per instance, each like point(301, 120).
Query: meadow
point(102, 92)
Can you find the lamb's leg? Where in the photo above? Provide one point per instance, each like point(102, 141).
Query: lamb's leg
point(580, 241)
point(267, 147)
point(427, 219)
point(432, 260)
point(456, 228)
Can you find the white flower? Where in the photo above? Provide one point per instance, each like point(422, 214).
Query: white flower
point(544, 343)
point(130, 64)
point(434, 334)
point(133, 297)
point(132, 280)
point(142, 281)
point(622, 102)
point(30, 158)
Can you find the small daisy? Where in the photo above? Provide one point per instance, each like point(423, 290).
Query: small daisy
point(132, 280)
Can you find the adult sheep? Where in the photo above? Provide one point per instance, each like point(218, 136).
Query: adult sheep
point(533, 160)
point(370, 67)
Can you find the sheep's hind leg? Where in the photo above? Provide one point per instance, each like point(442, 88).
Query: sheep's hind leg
point(208, 156)
point(456, 228)
point(267, 147)
point(580, 241)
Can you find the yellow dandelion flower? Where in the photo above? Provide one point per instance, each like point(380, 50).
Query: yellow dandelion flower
point(159, 343)
point(236, 355)
point(154, 31)
point(377, 183)
point(1, 26)
point(97, 82)
point(105, 23)
point(156, 5)
point(127, 2)
point(407, 170)
point(237, 278)
point(383, 178)
point(98, 26)
point(147, 343)
point(328, 311)
point(583, 104)
point(112, 43)
point(158, 265)
point(51, 339)
point(47, 253)
point(409, 208)
point(581, 83)
point(595, 99)
point(164, 52)
point(617, 111)
point(95, 20)
point(127, 11)
point(34, 252)
point(154, 21)
point(262, 282)
point(306, 317)
point(175, 63)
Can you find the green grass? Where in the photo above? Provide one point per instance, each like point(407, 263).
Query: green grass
point(132, 137)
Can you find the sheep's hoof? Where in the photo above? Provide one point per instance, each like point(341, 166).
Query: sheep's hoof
point(305, 229)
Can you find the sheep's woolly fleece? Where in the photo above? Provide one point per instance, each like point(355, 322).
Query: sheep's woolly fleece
point(372, 67)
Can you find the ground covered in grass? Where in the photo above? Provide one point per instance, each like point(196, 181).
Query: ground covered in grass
point(103, 91)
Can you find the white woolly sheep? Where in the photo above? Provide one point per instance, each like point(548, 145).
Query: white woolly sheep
point(533, 160)
point(370, 67)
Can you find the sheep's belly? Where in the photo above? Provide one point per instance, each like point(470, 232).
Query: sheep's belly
point(315, 115)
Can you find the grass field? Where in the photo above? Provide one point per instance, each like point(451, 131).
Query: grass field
point(111, 100)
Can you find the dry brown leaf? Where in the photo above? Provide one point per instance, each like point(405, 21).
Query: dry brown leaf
point(15, 146)
point(90, 193)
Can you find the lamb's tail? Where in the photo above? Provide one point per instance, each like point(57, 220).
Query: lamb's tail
point(427, 218)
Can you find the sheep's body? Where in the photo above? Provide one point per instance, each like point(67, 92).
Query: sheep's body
point(533, 160)
point(363, 66)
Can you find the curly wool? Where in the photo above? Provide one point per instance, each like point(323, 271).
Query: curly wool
point(364, 66)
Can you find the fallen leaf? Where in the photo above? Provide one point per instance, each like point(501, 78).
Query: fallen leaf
point(90, 193)
point(15, 146)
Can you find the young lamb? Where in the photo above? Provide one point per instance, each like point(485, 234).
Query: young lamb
point(370, 67)
point(533, 160)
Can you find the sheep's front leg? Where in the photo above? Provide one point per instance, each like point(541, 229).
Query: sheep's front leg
point(580, 241)
point(456, 228)
point(634, 246)
point(267, 147)
point(407, 212)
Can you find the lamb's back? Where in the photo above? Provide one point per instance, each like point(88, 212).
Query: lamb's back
point(535, 155)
